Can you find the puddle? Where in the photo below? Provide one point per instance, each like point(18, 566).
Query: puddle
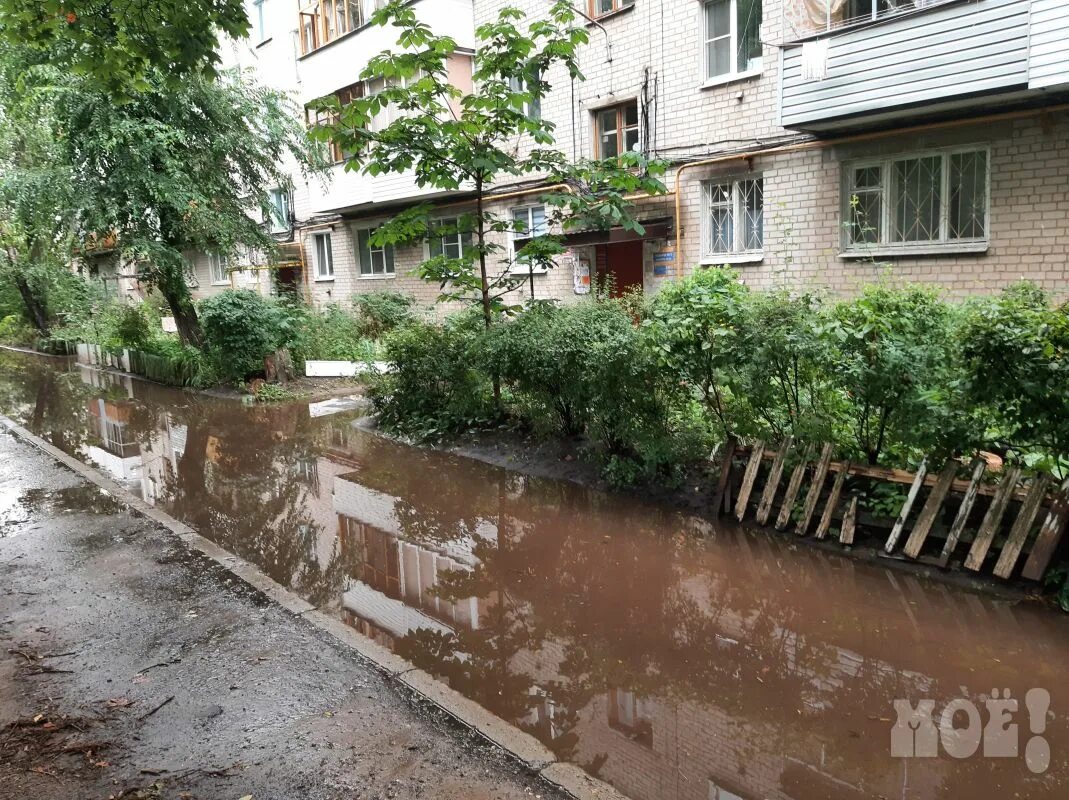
point(672, 658)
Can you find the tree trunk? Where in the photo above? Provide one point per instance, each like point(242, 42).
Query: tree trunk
point(34, 307)
point(487, 310)
point(176, 293)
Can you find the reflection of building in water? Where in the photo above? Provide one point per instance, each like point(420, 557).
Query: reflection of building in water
point(393, 593)
point(654, 746)
point(116, 450)
point(162, 448)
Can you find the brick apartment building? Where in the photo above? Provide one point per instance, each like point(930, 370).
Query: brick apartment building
point(813, 143)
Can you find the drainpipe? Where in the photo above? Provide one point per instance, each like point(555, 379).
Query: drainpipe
point(608, 39)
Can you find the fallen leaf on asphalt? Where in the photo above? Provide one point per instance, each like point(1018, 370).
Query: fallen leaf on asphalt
point(246, 797)
point(120, 702)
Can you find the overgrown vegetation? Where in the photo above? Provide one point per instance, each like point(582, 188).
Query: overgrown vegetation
point(890, 376)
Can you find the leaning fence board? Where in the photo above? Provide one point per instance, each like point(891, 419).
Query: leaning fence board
point(793, 487)
point(979, 465)
point(725, 473)
point(931, 509)
point(748, 478)
point(989, 527)
point(1049, 536)
point(903, 515)
point(819, 474)
point(833, 504)
point(1011, 551)
point(846, 533)
point(764, 508)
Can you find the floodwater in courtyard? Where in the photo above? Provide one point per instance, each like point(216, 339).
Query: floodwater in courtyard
point(674, 658)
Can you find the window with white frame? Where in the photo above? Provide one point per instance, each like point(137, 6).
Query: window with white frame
point(278, 216)
point(449, 241)
point(527, 222)
point(261, 28)
point(733, 218)
point(532, 107)
point(375, 260)
point(218, 268)
point(937, 198)
point(732, 38)
point(324, 256)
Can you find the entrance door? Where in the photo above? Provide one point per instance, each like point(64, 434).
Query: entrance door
point(623, 261)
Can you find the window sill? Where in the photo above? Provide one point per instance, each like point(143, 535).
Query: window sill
point(220, 283)
point(268, 40)
point(916, 250)
point(610, 15)
point(732, 258)
point(324, 279)
point(377, 277)
point(734, 77)
point(526, 272)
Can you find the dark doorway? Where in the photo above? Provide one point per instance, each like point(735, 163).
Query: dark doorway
point(623, 262)
point(288, 280)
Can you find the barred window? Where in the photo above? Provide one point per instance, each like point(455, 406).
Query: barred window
point(733, 217)
point(937, 198)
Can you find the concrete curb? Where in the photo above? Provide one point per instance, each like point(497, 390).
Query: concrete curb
point(516, 743)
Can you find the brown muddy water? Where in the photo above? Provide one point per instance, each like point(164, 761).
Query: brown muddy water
point(674, 658)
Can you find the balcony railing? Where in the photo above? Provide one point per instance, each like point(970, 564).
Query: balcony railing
point(321, 23)
point(805, 18)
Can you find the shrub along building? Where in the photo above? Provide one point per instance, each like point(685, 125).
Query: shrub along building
point(812, 144)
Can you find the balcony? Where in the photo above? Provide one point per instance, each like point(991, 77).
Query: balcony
point(323, 22)
point(912, 59)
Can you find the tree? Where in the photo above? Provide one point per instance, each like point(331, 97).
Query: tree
point(454, 141)
point(37, 197)
point(123, 47)
point(179, 168)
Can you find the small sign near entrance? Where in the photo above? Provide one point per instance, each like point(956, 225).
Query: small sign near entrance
point(661, 260)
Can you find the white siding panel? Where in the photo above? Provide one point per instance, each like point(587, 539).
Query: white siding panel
point(1048, 55)
point(927, 57)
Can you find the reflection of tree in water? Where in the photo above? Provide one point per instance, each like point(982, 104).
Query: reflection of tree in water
point(237, 484)
point(49, 400)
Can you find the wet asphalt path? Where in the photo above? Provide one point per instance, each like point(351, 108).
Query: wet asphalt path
point(133, 667)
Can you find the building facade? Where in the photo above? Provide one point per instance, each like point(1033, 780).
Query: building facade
point(817, 145)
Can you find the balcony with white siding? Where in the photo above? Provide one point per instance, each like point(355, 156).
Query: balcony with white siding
point(862, 62)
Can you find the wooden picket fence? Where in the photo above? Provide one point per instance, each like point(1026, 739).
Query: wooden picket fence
point(1035, 498)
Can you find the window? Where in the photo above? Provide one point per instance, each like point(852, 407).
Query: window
point(617, 129)
point(218, 268)
point(632, 715)
point(449, 242)
point(261, 30)
point(733, 218)
point(279, 216)
point(323, 117)
point(937, 198)
point(528, 221)
point(324, 256)
point(326, 20)
point(374, 260)
point(732, 37)
point(599, 8)
point(532, 107)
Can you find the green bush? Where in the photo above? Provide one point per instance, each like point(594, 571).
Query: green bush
point(586, 369)
point(381, 312)
point(332, 334)
point(698, 327)
point(434, 386)
point(1015, 349)
point(133, 326)
point(240, 328)
point(890, 351)
point(14, 330)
